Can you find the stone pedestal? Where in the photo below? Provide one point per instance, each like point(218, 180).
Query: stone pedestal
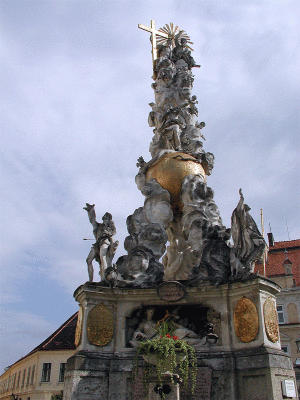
point(246, 362)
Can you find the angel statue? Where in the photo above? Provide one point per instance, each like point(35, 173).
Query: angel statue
point(103, 250)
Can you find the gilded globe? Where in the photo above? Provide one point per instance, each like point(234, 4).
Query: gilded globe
point(170, 170)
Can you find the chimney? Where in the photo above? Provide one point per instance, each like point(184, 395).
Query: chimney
point(271, 239)
point(287, 264)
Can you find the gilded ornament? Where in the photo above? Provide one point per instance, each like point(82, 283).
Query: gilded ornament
point(79, 327)
point(170, 170)
point(271, 320)
point(100, 325)
point(246, 320)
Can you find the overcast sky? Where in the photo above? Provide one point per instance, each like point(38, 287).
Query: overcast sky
point(75, 87)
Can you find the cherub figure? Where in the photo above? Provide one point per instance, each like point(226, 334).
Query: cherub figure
point(103, 250)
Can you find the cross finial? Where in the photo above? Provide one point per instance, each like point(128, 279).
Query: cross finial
point(286, 253)
point(153, 32)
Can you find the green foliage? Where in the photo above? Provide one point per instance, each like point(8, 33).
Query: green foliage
point(172, 354)
point(165, 328)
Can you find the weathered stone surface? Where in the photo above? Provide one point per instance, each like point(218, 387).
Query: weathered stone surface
point(234, 365)
point(221, 375)
point(203, 386)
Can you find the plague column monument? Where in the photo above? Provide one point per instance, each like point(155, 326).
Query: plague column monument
point(183, 269)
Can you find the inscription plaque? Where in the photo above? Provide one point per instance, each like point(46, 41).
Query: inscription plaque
point(288, 389)
point(100, 325)
point(171, 291)
point(203, 386)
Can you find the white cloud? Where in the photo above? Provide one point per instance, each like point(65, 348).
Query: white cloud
point(27, 331)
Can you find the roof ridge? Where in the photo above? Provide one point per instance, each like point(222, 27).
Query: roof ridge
point(52, 336)
point(46, 341)
point(287, 241)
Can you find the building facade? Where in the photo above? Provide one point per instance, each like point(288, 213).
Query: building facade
point(40, 374)
point(283, 267)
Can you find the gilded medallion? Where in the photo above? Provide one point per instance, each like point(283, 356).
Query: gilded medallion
point(100, 325)
point(79, 327)
point(246, 320)
point(171, 169)
point(271, 320)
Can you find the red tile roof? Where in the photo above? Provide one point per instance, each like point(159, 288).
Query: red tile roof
point(286, 244)
point(277, 257)
point(62, 339)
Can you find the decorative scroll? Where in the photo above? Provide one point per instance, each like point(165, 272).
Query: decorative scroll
point(171, 291)
point(100, 325)
point(78, 331)
point(246, 320)
point(271, 320)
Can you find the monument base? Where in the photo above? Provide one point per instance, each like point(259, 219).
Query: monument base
point(239, 366)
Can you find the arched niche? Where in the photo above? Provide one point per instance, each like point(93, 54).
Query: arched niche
point(193, 317)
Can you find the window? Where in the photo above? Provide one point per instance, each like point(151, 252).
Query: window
point(280, 314)
point(32, 375)
point(23, 378)
point(62, 372)
point(46, 372)
point(28, 376)
point(18, 382)
point(286, 349)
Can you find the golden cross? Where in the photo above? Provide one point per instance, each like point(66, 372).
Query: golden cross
point(153, 32)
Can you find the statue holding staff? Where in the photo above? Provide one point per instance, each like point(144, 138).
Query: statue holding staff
point(249, 244)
